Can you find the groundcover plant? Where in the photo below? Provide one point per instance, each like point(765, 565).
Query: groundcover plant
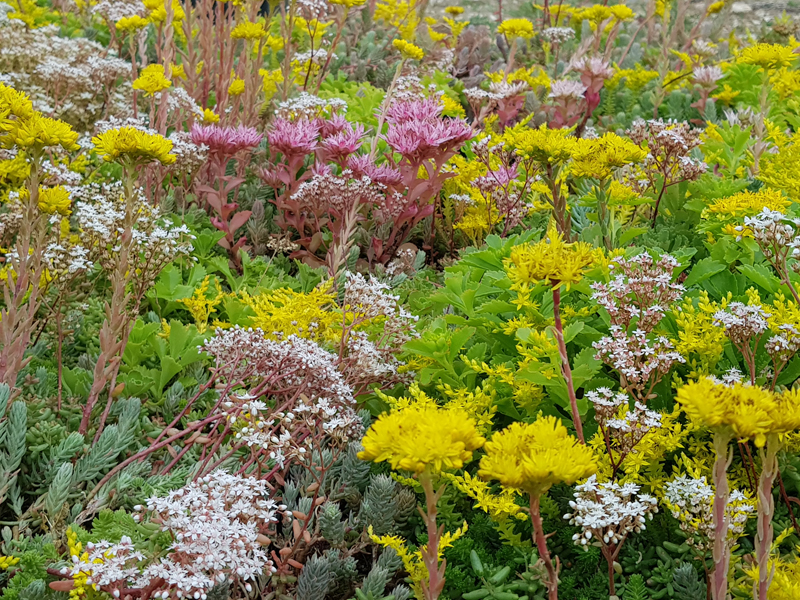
point(389, 299)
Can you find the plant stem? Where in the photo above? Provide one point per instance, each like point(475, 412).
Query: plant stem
point(721, 552)
point(432, 588)
point(565, 368)
point(541, 546)
point(766, 510)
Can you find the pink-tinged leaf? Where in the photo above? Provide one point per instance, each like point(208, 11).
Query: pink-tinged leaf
point(240, 219)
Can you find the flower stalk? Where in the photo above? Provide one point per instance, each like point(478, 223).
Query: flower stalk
point(566, 370)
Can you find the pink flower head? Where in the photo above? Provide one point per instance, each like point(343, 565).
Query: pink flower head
point(321, 169)
point(225, 141)
point(337, 123)
point(414, 110)
point(364, 165)
point(294, 138)
point(419, 140)
point(345, 142)
point(497, 179)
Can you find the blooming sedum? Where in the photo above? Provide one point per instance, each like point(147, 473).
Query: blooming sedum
point(420, 438)
point(551, 260)
point(131, 144)
point(514, 28)
point(743, 410)
point(532, 457)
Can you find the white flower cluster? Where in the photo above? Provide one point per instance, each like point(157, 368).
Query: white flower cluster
point(558, 35)
point(775, 234)
point(691, 502)
point(608, 512)
point(742, 322)
point(218, 527)
point(302, 379)
point(308, 106)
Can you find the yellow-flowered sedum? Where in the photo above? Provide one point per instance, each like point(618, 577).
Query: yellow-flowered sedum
point(54, 200)
point(283, 312)
point(131, 24)
point(7, 561)
point(348, 3)
point(747, 204)
point(516, 28)
point(767, 56)
point(128, 144)
point(551, 260)
point(454, 10)
point(412, 561)
point(601, 157)
point(152, 80)
point(236, 88)
point(700, 341)
point(247, 30)
point(532, 457)
point(24, 127)
point(209, 116)
point(544, 145)
point(422, 439)
point(200, 306)
point(743, 411)
point(408, 50)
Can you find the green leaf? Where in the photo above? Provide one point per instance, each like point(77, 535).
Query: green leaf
point(762, 276)
point(703, 270)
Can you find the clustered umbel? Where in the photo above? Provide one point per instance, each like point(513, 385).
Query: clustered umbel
point(777, 237)
point(691, 502)
point(284, 396)
point(558, 35)
point(218, 526)
point(641, 290)
point(639, 294)
point(624, 427)
point(668, 161)
point(73, 78)
point(608, 513)
point(743, 323)
point(366, 361)
point(100, 210)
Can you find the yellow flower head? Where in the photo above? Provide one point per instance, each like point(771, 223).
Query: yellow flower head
point(454, 10)
point(14, 103)
point(419, 438)
point(767, 56)
point(209, 116)
point(40, 132)
point(152, 79)
point(131, 144)
point(54, 200)
point(745, 411)
point(7, 562)
point(236, 87)
point(177, 71)
point(408, 50)
point(715, 8)
point(747, 204)
point(544, 145)
point(348, 3)
point(550, 260)
point(600, 157)
point(131, 24)
point(514, 28)
point(533, 457)
point(248, 31)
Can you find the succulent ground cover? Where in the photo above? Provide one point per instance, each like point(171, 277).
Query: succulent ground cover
point(383, 299)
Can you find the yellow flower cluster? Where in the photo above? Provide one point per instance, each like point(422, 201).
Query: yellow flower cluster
point(285, 312)
point(80, 579)
point(54, 200)
point(400, 14)
point(408, 50)
point(767, 56)
point(200, 306)
point(601, 157)
point(551, 260)
point(498, 506)
point(129, 144)
point(412, 561)
point(699, 340)
point(422, 438)
point(533, 457)
point(348, 3)
point(131, 24)
point(635, 79)
point(247, 30)
point(209, 116)
point(779, 170)
point(598, 13)
point(236, 87)
point(747, 204)
point(24, 127)
point(516, 28)
point(544, 145)
point(744, 411)
point(7, 561)
point(152, 79)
